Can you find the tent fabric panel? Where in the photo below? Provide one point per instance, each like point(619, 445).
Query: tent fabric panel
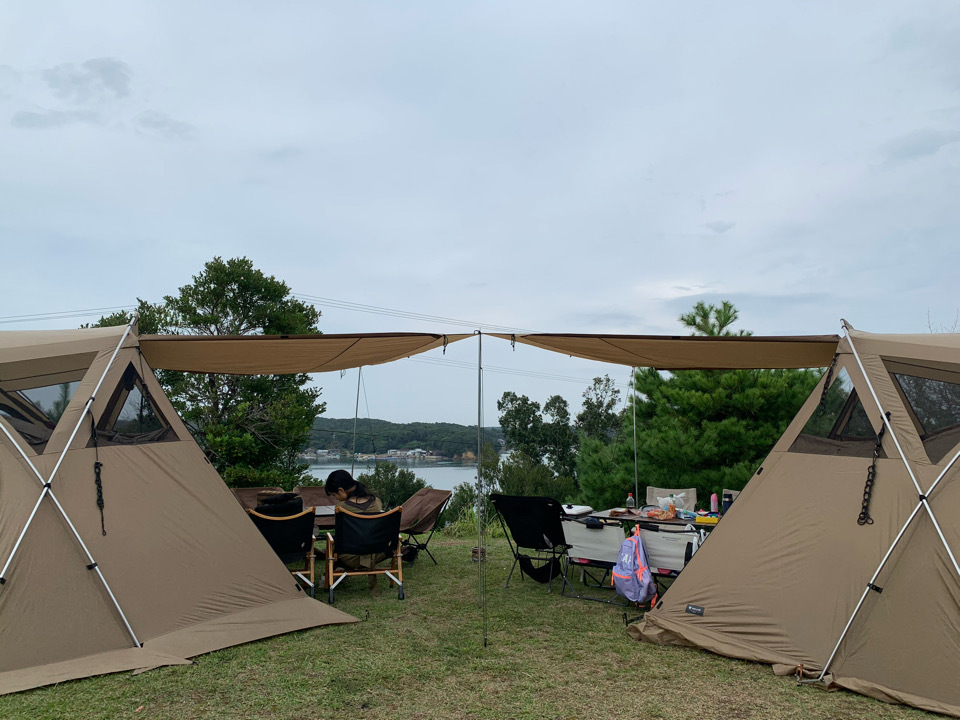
point(276, 354)
point(53, 608)
point(766, 599)
point(252, 624)
point(18, 345)
point(916, 617)
point(29, 374)
point(934, 347)
point(179, 550)
point(691, 352)
point(889, 695)
point(88, 666)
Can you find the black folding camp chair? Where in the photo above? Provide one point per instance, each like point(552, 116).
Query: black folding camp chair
point(534, 524)
point(420, 514)
point(291, 538)
point(367, 540)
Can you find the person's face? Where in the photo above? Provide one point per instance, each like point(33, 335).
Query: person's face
point(340, 494)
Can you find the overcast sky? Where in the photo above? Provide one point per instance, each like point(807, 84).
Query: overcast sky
point(550, 166)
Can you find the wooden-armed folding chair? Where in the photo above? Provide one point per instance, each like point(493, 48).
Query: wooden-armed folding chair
point(534, 524)
point(592, 545)
point(291, 538)
point(363, 541)
point(420, 514)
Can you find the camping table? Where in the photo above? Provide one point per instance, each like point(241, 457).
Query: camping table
point(324, 517)
point(627, 518)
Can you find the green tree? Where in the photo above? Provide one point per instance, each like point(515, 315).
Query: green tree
point(707, 429)
point(713, 321)
point(251, 427)
point(521, 475)
point(392, 484)
point(559, 441)
point(605, 471)
point(599, 418)
point(522, 424)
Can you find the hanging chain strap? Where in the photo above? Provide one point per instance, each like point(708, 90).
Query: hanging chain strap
point(96, 471)
point(865, 518)
point(821, 408)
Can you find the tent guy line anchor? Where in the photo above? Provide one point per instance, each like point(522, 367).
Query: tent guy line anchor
point(46, 485)
point(871, 585)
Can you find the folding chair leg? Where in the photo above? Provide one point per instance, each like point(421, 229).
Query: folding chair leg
point(515, 561)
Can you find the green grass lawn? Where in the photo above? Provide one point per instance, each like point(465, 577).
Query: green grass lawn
point(546, 657)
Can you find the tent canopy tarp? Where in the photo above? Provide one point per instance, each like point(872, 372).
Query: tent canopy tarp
point(284, 354)
point(691, 352)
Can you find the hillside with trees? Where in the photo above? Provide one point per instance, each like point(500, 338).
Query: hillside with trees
point(379, 436)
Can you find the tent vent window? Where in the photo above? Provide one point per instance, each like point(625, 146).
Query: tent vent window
point(935, 405)
point(840, 425)
point(131, 418)
point(34, 412)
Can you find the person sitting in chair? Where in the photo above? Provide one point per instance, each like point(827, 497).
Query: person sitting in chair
point(352, 495)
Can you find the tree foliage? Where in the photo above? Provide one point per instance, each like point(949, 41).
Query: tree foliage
point(378, 436)
point(252, 428)
point(392, 484)
point(707, 429)
point(599, 417)
point(542, 444)
point(522, 424)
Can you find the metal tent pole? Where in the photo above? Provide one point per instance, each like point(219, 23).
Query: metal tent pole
point(481, 520)
point(356, 412)
point(92, 564)
point(871, 585)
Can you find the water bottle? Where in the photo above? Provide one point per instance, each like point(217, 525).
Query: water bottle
point(714, 503)
point(727, 501)
point(631, 503)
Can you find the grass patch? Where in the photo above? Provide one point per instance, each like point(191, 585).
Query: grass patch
point(424, 657)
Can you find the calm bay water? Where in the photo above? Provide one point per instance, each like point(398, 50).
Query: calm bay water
point(440, 475)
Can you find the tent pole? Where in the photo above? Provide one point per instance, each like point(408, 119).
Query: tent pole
point(481, 544)
point(923, 503)
point(636, 472)
point(92, 564)
point(356, 412)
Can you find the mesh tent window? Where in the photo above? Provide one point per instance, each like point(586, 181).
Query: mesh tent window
point(131, 416)
point(935, 409)
point(839, 426)
point(34, 412)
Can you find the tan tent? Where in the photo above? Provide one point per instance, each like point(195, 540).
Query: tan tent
point(170, 567)
point(790, 577)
